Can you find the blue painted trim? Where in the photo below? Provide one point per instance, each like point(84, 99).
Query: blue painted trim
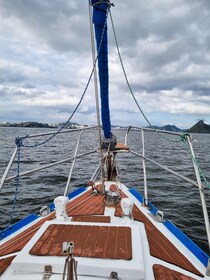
point(140, 198)
point(18, 225)
point(25, 221)
point(187, 242)
point(76, 192)
point(182, 237)
point(137, 195)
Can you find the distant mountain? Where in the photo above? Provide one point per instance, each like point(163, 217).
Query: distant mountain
point(199, 127)
point(168, 127)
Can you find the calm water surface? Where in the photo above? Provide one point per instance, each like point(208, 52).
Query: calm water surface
point(179, 200)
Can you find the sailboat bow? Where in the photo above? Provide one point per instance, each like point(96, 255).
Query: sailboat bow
point(103, 229)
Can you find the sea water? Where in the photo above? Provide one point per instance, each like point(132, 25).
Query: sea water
point(179, 200)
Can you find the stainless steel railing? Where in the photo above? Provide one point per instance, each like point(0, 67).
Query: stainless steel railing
point(194, 183)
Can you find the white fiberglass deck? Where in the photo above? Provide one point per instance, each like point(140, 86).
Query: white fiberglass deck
point(152, 251)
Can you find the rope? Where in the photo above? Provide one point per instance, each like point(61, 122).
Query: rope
point(184, 139)
point(107, 2)
point(18, 142)
point(62, 127)
point(80, 101)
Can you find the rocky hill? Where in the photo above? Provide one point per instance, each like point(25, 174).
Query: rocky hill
point(167, 127)
point(199, 127)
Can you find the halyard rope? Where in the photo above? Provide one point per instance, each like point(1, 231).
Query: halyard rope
point(19, 140)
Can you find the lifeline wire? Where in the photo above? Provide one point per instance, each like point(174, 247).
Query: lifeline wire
point(195, 161)
point(80, 101)
point(19, 140)
point(182, 136)
point(18, 143)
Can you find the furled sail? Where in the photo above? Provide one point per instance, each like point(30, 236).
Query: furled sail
point(99, 20)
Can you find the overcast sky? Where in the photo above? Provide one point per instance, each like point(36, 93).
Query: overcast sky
point(45, 61)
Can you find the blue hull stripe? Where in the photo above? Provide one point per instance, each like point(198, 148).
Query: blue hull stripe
point(186, 241)
point(20, 224)
point(13, 228)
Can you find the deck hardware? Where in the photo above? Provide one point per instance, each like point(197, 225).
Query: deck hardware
point(95, 192)
point(113, 276)
point(60, 208)
point(127, 207)
point(109, 143)
point(160, 216)
point(70, 267)
point(112, 198)
point(44, 211)
point(208, 268)
point(68, 247)
point(91, 184)
point(47, 272)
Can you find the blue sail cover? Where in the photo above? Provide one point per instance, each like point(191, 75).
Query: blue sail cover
point(99, 20)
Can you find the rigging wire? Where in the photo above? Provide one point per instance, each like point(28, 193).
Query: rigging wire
point(19, 140)
point(66, 123)
point(18, 143)
point(196, 162)
point(129, 86)
point(82, 97)
point(183, 137)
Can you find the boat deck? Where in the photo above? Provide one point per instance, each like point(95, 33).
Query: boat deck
point(153, 254)
point(89, 241)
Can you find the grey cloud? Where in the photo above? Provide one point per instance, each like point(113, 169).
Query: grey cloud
point(164, 44)
point(60, 24)
point(28, 86)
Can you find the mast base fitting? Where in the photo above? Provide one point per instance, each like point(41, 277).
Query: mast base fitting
point(109, 143)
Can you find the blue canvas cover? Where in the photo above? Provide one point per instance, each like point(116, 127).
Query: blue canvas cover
point(99, 20)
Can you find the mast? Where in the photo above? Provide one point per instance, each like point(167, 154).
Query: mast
point(100, 11)
point(96, 97)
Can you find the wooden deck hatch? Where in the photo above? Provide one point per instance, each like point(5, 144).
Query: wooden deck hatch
point(108, 242)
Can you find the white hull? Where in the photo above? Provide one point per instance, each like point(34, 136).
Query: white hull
point(140, 266)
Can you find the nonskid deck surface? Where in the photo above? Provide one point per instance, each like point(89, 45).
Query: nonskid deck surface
point(89, 241)
point(89, 208)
